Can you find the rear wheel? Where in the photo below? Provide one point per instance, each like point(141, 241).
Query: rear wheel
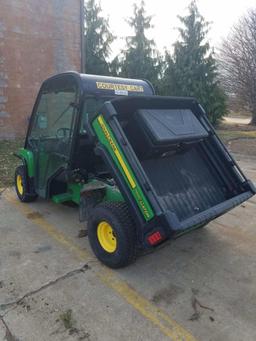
point(21, 185)
point(112, 234)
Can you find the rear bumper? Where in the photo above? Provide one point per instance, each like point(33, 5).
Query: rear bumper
point(170, 227)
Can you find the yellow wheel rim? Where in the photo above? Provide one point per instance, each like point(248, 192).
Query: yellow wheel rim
point(19, 184)
point(106, 237)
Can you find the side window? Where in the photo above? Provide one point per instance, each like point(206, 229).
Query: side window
point(91, 107)
point(54, 117)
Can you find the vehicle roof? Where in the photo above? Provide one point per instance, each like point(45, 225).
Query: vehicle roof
point(105, 85)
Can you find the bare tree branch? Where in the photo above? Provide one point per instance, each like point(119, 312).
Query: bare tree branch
point(238, 63)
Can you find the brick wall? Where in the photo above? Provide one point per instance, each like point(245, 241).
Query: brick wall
point(37, 39)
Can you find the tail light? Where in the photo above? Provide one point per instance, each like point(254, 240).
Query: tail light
point(154, 238)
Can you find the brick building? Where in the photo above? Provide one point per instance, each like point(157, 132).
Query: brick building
point(37, 39)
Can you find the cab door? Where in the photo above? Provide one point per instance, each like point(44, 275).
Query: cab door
point(52, 129)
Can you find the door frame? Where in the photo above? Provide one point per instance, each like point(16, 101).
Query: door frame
point(78, 98)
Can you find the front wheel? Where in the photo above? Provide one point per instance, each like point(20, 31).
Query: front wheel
point(112, 234)
point(21, 185)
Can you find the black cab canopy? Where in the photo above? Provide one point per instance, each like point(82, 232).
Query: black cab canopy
point(101, 85)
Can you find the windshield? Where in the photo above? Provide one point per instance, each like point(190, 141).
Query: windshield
point(90, 109)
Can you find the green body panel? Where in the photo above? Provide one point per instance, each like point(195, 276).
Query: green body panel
point(74, 190)
point(113, 194)
point(63, 197)
point(72, 194)
point(106, 137)
point(28, 156)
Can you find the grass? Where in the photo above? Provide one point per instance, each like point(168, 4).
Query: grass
point(67, 319)
point(227, 135)
point(8, 162)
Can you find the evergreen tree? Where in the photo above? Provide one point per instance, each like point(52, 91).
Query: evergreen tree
point(140, 58)
point(192, 69)
point(114, 67)
point(98, 39)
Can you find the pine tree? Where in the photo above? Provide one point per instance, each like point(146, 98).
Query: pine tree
point(140, 58)
point(192, 69)
point(98, 39)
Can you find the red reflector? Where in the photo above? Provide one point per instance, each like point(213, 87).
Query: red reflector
point(154, 238)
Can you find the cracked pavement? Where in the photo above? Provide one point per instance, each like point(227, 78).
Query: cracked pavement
point(20, 300)
point(204, 281)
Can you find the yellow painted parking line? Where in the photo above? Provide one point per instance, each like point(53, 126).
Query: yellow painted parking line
point(156, 316)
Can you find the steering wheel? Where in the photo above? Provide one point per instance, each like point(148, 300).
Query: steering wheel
point(63, 133)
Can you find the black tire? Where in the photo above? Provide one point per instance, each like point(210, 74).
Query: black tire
point(117, 215)
point(24, 195)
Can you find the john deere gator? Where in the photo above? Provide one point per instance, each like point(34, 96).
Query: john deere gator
point(142, 168)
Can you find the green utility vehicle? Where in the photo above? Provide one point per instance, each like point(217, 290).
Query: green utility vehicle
point(142, 168)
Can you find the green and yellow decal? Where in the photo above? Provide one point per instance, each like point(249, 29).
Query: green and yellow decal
point(106, 137)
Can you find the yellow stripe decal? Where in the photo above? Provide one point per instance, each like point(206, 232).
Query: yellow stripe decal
point(117, 153)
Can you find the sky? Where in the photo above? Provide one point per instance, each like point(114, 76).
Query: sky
point(222, 14)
